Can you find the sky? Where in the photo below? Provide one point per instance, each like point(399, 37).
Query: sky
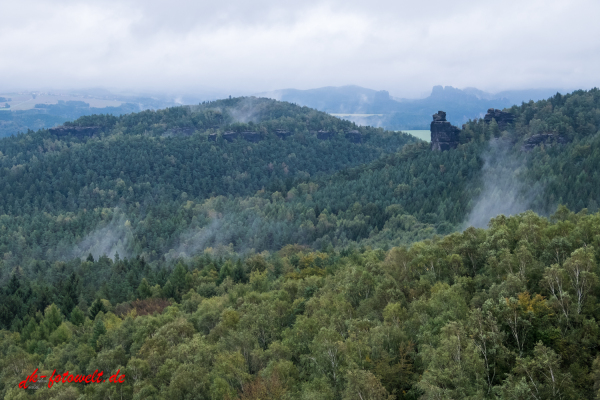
point(243, 47)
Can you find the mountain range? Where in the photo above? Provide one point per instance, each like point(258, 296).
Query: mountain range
point(378, 108)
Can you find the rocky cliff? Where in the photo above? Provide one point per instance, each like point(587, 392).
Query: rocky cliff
point(78, 131)
point(548, 139)
point(444, 135)
point(354, 136)
point(324, 135)
point(246, 135)
point(502, 118)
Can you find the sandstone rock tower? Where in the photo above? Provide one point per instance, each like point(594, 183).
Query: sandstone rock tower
point(444, 136)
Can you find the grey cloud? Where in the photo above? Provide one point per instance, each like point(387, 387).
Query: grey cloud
point(244, 47)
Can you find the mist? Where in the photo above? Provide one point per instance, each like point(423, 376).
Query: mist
point(243, 233)
point(504, 190)
point(108, 240)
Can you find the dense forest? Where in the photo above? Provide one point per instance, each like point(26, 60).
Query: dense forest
point(508, 313)
point(154, 183)
point(153, 169)
point(248, 248)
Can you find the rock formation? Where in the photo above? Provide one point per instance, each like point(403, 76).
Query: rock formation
point(282, 134)
point(444, 136)
point(324, 135)
point(354, 136)
point(502, 118)
point(78, 131)
point(548, 139)
point(230, 136)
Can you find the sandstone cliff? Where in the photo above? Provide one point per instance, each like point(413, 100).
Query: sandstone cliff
point(444, 136)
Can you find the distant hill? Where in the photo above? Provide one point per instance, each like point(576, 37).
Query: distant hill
point(379, 109)
point(145, 166)
point(260, 174)
point(35, 110)
point(44, 116)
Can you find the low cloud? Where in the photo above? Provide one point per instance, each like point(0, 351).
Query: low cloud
point(504, 190)
point(109, 239)
point(243, 231)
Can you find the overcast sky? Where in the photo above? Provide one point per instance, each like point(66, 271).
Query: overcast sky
point(244, 46)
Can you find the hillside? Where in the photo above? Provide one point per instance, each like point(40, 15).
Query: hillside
point(44, 116)
point(509, 312)
point(62, 185)
point(42, 110)
point(249, 248)
point(155, 183)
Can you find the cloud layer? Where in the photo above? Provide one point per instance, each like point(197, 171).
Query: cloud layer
point(244, 47)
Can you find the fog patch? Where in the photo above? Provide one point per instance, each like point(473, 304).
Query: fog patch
point(243, 232)
point(504, 189)
point(195, 241)
point(110, 239)
point(245, 111)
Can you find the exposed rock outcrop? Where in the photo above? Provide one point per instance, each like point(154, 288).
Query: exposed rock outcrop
point(548, 139)
point(282, 134)
point(247, 135)
point(78, 131)
point(502, 118)
point(354, 136)
point(230, 136)
point(324, 135)
point(444, 135)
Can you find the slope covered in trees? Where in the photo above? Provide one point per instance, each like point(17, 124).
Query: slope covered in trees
point(59, 185)
point(256, 269)
point(504, 313)
point(153, 188)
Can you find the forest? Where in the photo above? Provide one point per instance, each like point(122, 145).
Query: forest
point(509, 312)
point(319, 260)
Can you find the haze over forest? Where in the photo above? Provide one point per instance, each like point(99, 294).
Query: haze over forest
point(219, 201)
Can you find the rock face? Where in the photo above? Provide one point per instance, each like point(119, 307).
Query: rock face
point(324, 135)
point(502, 118)
point(230, 136)
point(548, 139)
point(444, 136)
point(354, 136)
point(78, 131)
point(282, 134)
point(247, 135)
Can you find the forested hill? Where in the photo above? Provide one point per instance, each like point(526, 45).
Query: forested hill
point(247, 174)
point(58, 186)
point(263, 250)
